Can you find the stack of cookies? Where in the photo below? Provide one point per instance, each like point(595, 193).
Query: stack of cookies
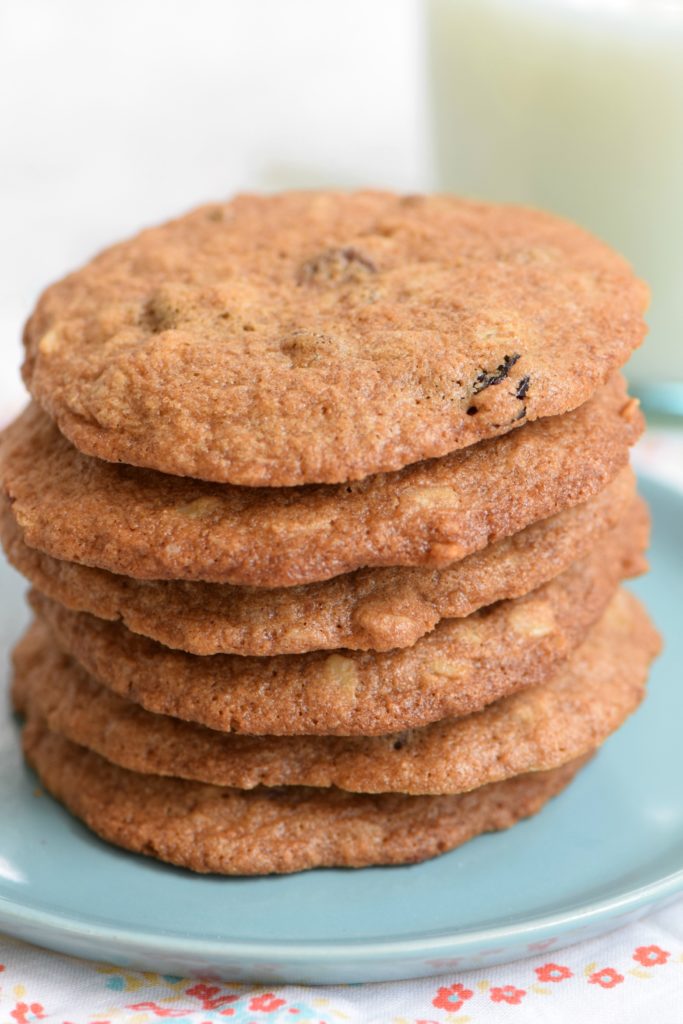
point(325, 501)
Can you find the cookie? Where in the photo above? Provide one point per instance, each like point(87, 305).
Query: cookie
point(320, 337)
point(152, 526)
point(371, 609)
point(266, 831)
point(538, 729)
point(460, 667)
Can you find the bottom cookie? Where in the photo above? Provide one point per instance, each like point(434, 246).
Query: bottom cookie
point(265, 831)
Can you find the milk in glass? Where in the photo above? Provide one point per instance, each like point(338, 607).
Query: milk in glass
point(575, 106)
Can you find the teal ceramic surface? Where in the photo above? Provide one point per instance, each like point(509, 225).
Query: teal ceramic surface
point(604, 852)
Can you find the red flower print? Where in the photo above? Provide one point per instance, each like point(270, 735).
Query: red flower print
point(22, 1010)
point(651, 956)
point(507, 994)
point(451, 998)
point(267, 1002)
point(553, 972)
point(210, 996)
point(201, 991)
point(606, 978)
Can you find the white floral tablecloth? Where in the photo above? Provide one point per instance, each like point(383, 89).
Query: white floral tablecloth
point(631, 976)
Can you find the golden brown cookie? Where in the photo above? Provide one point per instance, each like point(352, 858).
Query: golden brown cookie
point(266, 831)
point(538, 729)
point(152, 526)
point(460, 667)
point(322, 337)
point(377, 609)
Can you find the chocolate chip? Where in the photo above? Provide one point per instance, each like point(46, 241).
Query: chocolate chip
point(488, 378)
point(523, 387)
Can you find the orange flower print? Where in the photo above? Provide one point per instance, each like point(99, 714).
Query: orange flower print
point(452, 998)
point(606, 978)
point(268, 1003)
point(507, 994)
point(553, 972)
point(651, 956)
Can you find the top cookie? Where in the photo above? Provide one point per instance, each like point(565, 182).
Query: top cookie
point(322, 337)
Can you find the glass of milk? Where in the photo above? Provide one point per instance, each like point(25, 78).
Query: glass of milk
point(575, 106)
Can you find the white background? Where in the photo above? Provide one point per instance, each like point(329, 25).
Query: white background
point(118, 114)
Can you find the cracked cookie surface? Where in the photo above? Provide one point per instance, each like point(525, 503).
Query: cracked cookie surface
point(154, 526)
point(537, 729)
point(323, 337)
point(371, 609)
point(463, 665)
point(263, 831)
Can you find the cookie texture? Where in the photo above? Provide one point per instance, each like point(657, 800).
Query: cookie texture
point(322, 337)
point(460, 667)
point(266, 831)
point(377, 609)
point(538, 729)
point(152, 526)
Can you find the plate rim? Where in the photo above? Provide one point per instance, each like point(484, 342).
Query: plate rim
point(170, 944)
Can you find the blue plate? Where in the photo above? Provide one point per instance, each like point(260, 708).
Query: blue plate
point(604, 852)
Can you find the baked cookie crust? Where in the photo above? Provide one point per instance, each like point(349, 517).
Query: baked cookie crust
point(323, 337)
